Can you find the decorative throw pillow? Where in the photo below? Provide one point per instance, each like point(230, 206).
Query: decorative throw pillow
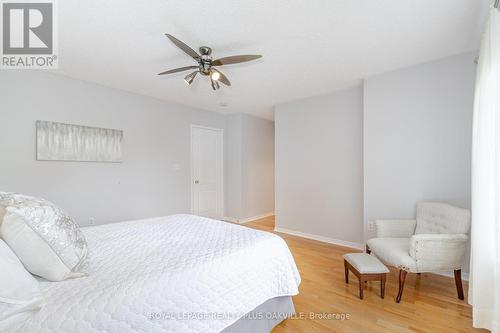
point(18, 289)
point(43, 237)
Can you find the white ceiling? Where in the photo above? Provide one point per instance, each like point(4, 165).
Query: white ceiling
point(309, 47)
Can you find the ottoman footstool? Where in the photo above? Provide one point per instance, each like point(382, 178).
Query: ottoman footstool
point(367, 268)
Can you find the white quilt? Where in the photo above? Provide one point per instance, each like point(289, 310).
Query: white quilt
point(180, 273)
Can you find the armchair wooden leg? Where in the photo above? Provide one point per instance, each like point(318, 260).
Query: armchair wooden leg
point(402, 277)
point(458, 283)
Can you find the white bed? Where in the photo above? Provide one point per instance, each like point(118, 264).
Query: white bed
point(179, 273)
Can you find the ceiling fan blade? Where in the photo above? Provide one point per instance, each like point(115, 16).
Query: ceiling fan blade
point(222, 77)
point(181, 69)
point(235, 59)
point(189, 51)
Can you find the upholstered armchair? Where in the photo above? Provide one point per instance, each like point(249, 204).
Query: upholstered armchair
point(435, 241)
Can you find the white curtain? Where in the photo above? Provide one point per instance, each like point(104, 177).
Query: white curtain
point(484, 282)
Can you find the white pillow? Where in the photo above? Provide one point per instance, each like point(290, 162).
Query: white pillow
point(43, 237)
point(18, 289)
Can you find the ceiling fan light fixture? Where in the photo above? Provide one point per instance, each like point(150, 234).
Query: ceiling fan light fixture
point(215, 76)
point(190, 77)
point(215, 84)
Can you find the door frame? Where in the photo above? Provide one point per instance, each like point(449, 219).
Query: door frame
point(220, 183)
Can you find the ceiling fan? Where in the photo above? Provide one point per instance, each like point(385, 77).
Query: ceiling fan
point(206, 66)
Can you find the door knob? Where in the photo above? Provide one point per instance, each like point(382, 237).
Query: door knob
point(196, 181)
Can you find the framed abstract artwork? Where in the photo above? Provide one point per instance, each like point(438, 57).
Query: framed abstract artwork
point(66, 142)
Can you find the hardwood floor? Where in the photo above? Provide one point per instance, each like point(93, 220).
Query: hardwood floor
point(429, 303)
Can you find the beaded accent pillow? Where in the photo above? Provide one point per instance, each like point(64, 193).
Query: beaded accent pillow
point(44, 238)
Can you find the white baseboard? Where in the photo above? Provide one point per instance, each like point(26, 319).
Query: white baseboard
point(465, 275)
point(248, 219)
point(357, 246)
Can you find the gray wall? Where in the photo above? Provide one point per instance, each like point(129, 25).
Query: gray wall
point(363, 154)
point(319, 166)
point(258, 166)
point(250, 161)
point(417, 137)
point(156, 139)
point(233, 182)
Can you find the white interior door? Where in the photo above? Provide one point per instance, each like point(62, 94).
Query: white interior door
point(207, 172)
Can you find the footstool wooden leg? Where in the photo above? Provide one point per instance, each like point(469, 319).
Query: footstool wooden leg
point(361, 285)
point(346, 272)
point(382, 287)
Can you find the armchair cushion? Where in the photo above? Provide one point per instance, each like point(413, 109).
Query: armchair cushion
point(440, 218)
point(393, 252)
point(438, 252)
point(395, 228)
